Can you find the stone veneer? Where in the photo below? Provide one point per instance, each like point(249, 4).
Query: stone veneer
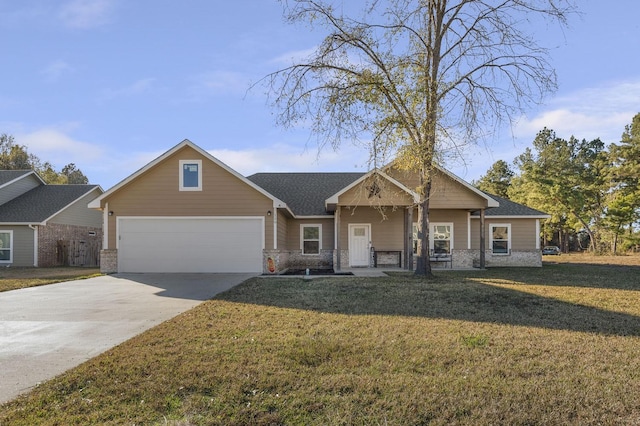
point(109, 261)
point(49, 235)
point(466, 259)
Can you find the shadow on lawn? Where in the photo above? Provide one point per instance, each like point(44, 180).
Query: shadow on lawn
point(450, 297)
point(587, 275)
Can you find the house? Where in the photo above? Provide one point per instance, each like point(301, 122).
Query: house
point(35, 218)
point(186, 211)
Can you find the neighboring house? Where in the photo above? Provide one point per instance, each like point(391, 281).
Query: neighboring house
point(36, 217)
point(186, 211)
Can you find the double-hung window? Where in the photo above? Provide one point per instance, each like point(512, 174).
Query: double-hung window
point(6, 246)
point(440, 238)
point(311, 239)
point(190, 175)
point(441, 241)
point(501, 238)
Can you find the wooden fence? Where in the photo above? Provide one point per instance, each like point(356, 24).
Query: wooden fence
point(79, 253)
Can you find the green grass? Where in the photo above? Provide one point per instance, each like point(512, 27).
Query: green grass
point(552, 345)
point(14, 278)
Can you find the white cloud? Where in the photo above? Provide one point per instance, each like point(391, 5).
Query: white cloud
point(288, 158)
point(218, 82)
point(54, 70)
point(85, 14)
point(597, 112)
point(144, 85)
point(57, 147)
point(293, 56)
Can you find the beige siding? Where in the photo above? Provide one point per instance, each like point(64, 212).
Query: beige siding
point(459, 220)
point(18, 188)
point(79, 214)
point(22, 244)
point(293, 233)
point(387, 233)
point(446, 193)
point(282, 231)
point(523, 233)
point(387, 194)
point(156, 193)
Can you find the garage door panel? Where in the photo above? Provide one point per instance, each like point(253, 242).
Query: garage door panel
point(190, 245)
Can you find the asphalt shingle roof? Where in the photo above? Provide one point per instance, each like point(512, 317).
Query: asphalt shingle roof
point(9, 175)
point(509, 208)
point(41, 203)
point(304, 193)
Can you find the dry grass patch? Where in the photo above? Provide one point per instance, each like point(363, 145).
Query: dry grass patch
point(504, 346)
point(14, 278)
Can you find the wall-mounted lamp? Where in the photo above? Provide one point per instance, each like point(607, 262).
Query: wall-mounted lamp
point(110, 212)
point(268, 212)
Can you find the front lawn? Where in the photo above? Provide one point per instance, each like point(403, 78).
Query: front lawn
point(13, 278)
point(552, 345)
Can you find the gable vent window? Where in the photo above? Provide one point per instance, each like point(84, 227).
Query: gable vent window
point(190, 175)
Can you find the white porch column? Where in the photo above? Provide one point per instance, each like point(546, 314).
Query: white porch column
point(336, 219)
point(482, 240)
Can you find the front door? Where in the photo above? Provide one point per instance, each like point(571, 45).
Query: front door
point(359, 242)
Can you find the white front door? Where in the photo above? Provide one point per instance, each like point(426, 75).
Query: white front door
point(359, 242)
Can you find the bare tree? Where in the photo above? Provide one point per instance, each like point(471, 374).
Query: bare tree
point(418, 78)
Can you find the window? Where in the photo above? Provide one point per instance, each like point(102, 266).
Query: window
point(6, 246)
point(310, 236)
point(190, 175)
point(501, 238)
point(440, 241)
point(440, 238)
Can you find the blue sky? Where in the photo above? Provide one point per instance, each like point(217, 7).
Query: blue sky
point(111, 84)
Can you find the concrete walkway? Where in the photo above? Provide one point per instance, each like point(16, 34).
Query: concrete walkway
point(47, 330)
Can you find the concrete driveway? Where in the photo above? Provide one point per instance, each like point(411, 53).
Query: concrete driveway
point(47, 330)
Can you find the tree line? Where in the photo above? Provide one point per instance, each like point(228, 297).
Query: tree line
point(591, 191)
point(14, 156)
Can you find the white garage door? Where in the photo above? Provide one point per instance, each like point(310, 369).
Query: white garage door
point(207, 244)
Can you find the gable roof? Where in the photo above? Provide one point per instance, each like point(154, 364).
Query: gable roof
point(333, 199)
point(492, 202)
point(509, 209)
point(305, 193)
point(97, 203)
point(9, 176)
point(41, 203)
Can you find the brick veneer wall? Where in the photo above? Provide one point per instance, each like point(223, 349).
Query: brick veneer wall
point(49, 235)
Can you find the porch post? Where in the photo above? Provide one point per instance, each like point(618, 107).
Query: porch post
point(408, 239)
point(482, 240)
point(337, 267)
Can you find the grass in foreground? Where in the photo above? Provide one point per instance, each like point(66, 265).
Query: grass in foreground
point(556, 345)
point(14, 278)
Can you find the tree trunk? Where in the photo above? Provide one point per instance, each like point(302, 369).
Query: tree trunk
point(423, 265)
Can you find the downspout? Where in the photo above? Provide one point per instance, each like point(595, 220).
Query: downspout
point(35, 244)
